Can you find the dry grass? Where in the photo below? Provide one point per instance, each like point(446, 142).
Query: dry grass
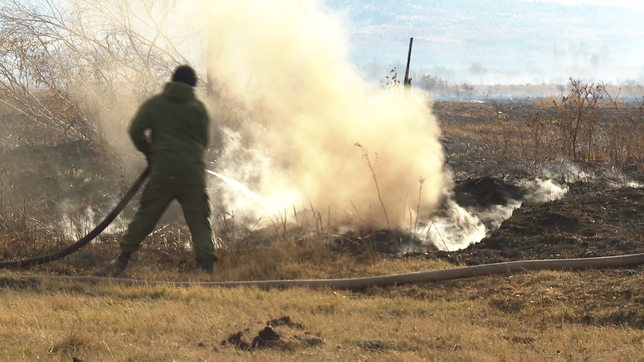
point(534, 137)
point(278, 260)
point(527, 317)
point(587, 316)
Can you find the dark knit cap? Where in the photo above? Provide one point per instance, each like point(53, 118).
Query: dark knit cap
point(185, 74)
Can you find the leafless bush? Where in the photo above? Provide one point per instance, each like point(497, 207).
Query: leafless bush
point(55, 58)
point(392, 82)
point(590, 127)
point(577, 120)
point(537, 125)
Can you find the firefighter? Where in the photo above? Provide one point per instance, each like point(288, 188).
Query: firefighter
point(178, 126)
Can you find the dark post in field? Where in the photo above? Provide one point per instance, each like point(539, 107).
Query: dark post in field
point(407, 82)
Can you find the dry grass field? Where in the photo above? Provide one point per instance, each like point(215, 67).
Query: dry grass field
point(525, 317)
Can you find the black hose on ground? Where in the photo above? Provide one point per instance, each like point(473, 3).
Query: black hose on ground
point(87, 238)
point(381, 281)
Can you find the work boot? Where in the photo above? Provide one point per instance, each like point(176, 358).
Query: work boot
point(118, 265)
point(207, 266)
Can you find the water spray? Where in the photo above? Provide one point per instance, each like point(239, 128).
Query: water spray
point(241, 188)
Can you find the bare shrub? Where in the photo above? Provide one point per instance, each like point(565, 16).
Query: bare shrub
point(537, 126)
point(56, 59)
point(577, 118)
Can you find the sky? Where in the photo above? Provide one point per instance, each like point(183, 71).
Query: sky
point(499, 41)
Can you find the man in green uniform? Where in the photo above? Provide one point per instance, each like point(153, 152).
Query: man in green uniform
point(178, 126)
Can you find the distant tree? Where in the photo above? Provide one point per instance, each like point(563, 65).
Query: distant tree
point(430, 82)
point(469, 90)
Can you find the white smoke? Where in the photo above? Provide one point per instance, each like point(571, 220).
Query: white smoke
point(75, 222)
point(297, 108)
point(457, 230)
point(571, 172)
point(540, 190)
point(457, 227)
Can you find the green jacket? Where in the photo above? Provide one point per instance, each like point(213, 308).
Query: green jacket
point(178, 124)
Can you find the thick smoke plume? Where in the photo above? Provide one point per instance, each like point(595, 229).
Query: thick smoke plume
point(302, 129)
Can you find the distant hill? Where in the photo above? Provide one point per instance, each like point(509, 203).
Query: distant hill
point(601, 41)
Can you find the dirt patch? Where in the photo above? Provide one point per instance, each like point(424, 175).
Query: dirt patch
point(281, 333)
point(364, 242)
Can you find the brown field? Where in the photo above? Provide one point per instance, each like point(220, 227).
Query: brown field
point(588, 316)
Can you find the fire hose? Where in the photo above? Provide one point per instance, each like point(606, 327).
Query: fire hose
point(347, 283)
point(385, 280)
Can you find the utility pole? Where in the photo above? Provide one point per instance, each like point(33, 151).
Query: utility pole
point(407, 82)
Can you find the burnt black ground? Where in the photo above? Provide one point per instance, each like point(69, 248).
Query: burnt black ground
point(584, 223)
point(595, 217)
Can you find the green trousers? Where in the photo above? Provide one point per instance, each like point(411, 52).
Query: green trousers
point(155, 199)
